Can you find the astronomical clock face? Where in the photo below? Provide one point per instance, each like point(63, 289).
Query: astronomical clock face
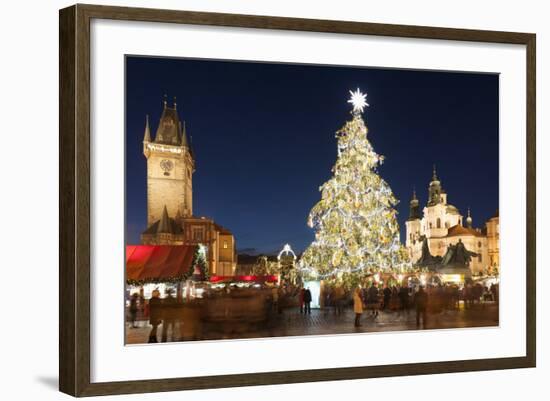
point(166, 165)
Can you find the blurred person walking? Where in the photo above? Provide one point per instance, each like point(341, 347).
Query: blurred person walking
point(155, 310)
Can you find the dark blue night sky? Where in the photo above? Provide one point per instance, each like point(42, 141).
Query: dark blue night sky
point(264, 142)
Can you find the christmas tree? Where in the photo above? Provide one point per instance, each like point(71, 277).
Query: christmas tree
point(199, 268)
point(357, 233)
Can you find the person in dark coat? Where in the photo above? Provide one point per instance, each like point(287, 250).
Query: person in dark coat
point(387, 297)
point(133, 309)
point(307, 301)
point(404, 298)
point(421, 303)
point(155, 311)
point(301, 299)
point(168, 315)
point(372, 299)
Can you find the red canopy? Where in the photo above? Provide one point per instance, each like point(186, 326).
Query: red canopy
point(158, 262)
point(272, 278)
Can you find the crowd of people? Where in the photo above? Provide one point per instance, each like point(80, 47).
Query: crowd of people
point(371, 298)
point(425, 300)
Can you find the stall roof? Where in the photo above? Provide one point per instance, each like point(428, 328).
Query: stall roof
point(158, 262)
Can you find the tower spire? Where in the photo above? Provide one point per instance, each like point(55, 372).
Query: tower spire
point(147, 134)
point(164, 223)
point(414, 208)
point(175, 103)
point(435, 189)
point(165, 101)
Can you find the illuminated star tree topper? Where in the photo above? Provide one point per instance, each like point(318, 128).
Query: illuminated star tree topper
point(359, 100)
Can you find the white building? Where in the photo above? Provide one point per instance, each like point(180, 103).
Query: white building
point(442, 225)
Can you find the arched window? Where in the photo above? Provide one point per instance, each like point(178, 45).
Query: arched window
point(430, 224)
point(438, 222)
point(479, 244)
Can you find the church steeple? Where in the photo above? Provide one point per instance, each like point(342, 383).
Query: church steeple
point(414, 207)
point(434, 174)
point(434, 190)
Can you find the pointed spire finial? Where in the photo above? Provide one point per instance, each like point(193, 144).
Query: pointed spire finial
point(165, 100)
point(175, 103)
point(434, 175)
point(147, 134)
point(469, 219)
point(414, 192)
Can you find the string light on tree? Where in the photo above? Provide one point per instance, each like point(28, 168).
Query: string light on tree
point(355, 221)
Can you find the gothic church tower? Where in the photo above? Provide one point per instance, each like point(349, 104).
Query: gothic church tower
point(170, 167)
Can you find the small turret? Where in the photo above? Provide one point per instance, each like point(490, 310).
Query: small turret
point(147, 134)
point(183, 140)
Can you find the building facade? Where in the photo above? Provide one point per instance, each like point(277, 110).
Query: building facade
point(442, 225)
point(170, 219)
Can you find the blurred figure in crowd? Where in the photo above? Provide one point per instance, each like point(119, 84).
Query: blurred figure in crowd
point(387, 297)
point(154, 315)
point(421, 302)
point(307, 301)
point(357, 306)
point(169, 315)
point(133, 309)
point(301, 299)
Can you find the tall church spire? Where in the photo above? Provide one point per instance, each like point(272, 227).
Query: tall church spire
point(414, 207)
point(147, 134)
point(435, 190)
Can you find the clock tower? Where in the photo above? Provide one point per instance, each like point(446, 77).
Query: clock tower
point(170, 167)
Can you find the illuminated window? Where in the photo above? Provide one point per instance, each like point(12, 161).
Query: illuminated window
point(225, 245)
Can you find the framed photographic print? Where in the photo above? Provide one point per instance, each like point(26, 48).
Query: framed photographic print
point(250, 200)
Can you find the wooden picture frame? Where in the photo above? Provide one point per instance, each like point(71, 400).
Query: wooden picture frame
point(74, 200)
